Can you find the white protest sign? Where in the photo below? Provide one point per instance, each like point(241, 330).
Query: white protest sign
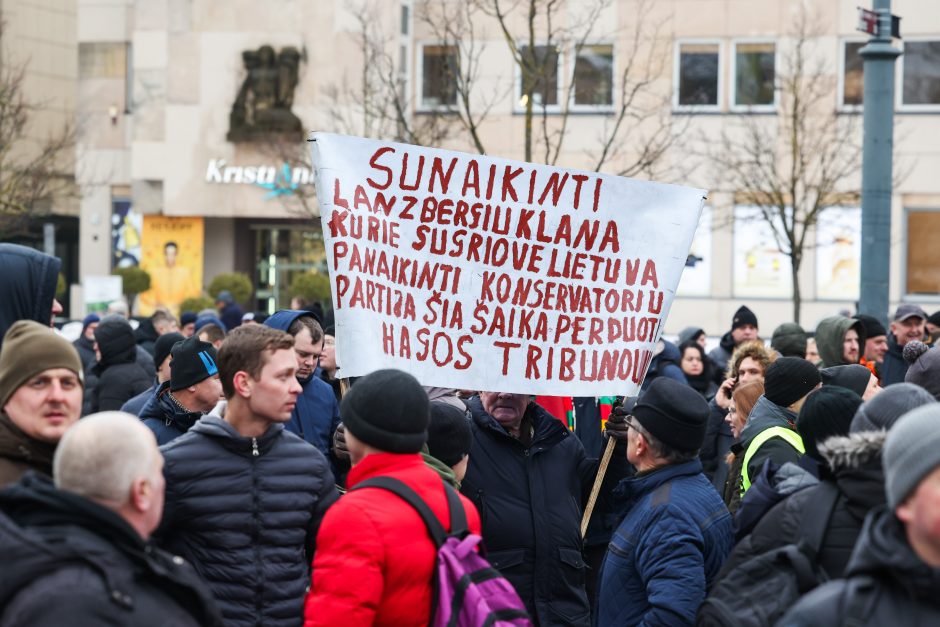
point(481, 273)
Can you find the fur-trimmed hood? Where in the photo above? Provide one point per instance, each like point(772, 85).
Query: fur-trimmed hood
point(854, 450)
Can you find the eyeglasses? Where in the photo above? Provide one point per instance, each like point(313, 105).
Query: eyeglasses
point(732, 410)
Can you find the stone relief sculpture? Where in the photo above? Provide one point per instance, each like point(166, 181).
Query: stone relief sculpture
point(263, 104)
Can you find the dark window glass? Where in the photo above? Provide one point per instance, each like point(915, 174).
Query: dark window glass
point(543, 73)
point(853, 85)
point(594, 76)
point(439, 76)
point(754, 80)
point(698, 74)
point(922, 73)
point(923, 254)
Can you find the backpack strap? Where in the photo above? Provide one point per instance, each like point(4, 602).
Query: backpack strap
point(815, 520)
point(400, 489)
point(458, 517)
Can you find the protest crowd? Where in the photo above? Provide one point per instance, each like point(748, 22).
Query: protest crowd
point(217, 469)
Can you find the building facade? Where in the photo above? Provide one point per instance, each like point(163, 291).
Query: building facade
point(642, 88)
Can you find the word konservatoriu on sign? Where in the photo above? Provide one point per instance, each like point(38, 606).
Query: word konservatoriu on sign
point(475, 272)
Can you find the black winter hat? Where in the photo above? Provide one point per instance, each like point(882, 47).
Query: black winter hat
point(743, 316)
point(116, 341)
point(789, 379)
point(193, 361)
point(853, 377)
point(163, 346)
point(673, 413)
point(388, 409)
point(789, 339)
point(872, 326)
point(934, 318)
point(827, 412)
point(449, 434)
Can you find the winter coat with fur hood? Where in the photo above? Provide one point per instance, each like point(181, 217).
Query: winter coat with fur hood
point(854, 466)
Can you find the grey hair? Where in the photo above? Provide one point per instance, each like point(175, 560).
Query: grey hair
point(102, 455)
point(662, 450)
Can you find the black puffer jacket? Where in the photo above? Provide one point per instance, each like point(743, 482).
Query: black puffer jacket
point(245, 512)
point(855, 469)
point(530, 502)
point(893, 368)
point(120, 377)
point(886, 584)
point(28, 286)
point(166, 418)
point(69, 561)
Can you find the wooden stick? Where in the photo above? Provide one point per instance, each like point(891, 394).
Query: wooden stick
point(596, 489)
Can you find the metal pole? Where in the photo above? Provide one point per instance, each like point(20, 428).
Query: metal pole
point(878, 102)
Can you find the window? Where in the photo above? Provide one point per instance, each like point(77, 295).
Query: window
point(540, 68)
point(754, 75)
point(439, 67)
point(923, 254)
point(853, 85)
point(405, 19)
point(921, 85)
point(594, 76)
point(697, 77)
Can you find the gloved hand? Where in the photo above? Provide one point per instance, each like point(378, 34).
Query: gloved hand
point(617, 422)
point(340, 451)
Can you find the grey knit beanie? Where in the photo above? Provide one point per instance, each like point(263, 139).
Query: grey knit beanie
point(911, 452)
point(882, 411)
point(924, 367)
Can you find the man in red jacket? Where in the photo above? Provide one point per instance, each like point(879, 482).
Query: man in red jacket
point(375, 560)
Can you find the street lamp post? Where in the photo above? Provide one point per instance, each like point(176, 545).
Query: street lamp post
point(877, 148)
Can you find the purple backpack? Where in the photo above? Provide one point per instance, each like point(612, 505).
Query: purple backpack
point(466, 590)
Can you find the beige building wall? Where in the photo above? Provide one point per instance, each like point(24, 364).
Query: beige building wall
point(185, 69)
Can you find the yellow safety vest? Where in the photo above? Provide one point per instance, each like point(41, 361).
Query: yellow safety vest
point(791, 436)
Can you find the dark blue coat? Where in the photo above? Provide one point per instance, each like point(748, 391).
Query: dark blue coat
point(165, 418)
point(316, 415)
point(137, 404)
point(231, 316)
point(665, 364)
point(667, 551)
point(530, 502)
point(245, 512)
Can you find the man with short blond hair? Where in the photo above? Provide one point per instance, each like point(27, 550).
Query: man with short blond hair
point(245, 497)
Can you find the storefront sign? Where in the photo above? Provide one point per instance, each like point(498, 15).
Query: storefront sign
point(278, 180)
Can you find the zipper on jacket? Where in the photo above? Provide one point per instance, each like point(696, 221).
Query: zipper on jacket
point(254, 447)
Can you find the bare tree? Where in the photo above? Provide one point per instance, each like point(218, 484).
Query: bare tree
point(34, 172)
point(794, 166)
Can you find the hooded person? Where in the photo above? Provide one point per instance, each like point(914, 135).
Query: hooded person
point(743, 328)
point(840, 341)
point(924, 368)
point(27, 291)
point(692, 334)
point(854, 377)
point(316, 415)
point(161, 357)
point(893, 575)
point(789, 340)
point(665, 364)
point(191, 392)
point(119, 376)
point(40, 398)
point(229, 311)
point(85, 344)
point(852, 465)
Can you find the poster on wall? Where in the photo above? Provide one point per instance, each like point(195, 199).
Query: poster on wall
point(697, 275)
point(760, 268)
point(126, 227)
point(838, 253)
point(172, 252)
point(100, 291)
point(476, 272)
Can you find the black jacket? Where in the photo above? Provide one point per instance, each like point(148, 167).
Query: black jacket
point(530, 502)
point(120, 377)
point(716, 446)
point(28, 286)
point(86, 351)
point(855, 469)
point(165, 418)
point(721, 355)
point(893, 368)
point(146, 335)
point(886, 584)
point(245, 512)
point(69, 561)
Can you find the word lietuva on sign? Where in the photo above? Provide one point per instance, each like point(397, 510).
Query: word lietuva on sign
point(475, 272)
